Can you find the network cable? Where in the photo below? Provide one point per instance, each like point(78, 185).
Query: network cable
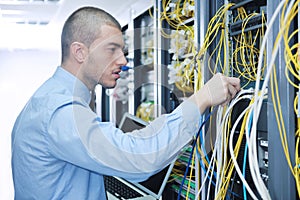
point(191, 155)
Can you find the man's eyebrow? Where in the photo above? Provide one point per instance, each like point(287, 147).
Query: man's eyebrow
point(115, 44)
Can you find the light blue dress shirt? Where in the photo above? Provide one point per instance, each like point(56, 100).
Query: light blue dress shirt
point(61, 149)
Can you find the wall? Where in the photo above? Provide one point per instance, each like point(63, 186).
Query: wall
point(21, 73)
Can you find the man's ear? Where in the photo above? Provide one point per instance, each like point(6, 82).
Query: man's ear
point(79, 51)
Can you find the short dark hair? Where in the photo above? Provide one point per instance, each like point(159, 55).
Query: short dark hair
point(83, 25)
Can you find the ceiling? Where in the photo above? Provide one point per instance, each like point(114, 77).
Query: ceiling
point(37, 23)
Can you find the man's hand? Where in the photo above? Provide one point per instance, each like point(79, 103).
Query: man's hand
point(218, 90)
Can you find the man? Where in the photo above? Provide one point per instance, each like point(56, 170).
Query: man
point(60, 147)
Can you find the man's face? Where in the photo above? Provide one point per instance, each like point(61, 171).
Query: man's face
point(105, 58)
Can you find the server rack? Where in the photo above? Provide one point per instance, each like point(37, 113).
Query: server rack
point(281, 182)
point(145, 96)
point(171, 58)
point(251, 28)
point(273, 166)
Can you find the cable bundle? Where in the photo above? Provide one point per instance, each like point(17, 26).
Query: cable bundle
point(217, 28)
point(248, 60)
point(246, 45)
point(292, 60)
point(180, 15)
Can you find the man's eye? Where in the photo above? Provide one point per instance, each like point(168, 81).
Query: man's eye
point(112, 49)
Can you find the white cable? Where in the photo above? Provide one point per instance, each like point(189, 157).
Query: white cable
point(207, 173)
point(221, 159)
point(254, 168)
point(209, 166)
point(267, 77)
point(258, 101)
point(252, 143)
point(219, 156)
point(222, 148)
point(233, 156)
point(225, 120)
point(210, 180)
point(219, 133)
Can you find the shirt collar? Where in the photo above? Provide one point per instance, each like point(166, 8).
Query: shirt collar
point(73, 84)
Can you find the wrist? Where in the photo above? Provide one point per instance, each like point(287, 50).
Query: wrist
point(202, 99)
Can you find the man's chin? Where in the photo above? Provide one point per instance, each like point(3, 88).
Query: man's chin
point(108, 86)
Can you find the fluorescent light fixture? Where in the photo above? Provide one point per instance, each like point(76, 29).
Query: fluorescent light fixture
point(26, 36)
point(12, 12)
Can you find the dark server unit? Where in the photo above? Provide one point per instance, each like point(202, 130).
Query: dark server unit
point(247, 25)
point(144, 64)
point(177, 66)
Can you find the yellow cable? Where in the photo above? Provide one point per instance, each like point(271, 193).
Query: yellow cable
point(191, 175)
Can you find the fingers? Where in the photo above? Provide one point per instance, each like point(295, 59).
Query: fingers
point(220, 89)
point(232, 86)
point(232, 91)
point(235, 82)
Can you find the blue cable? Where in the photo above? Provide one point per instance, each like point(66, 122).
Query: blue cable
point(214, 173)
point(126, 68)
point(201, 161)
point(191, 155)
point(245, 158)
point(204, 151)
point(244, 171)
point(205, 171)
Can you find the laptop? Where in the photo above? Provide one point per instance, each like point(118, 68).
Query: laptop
point(152, 188)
